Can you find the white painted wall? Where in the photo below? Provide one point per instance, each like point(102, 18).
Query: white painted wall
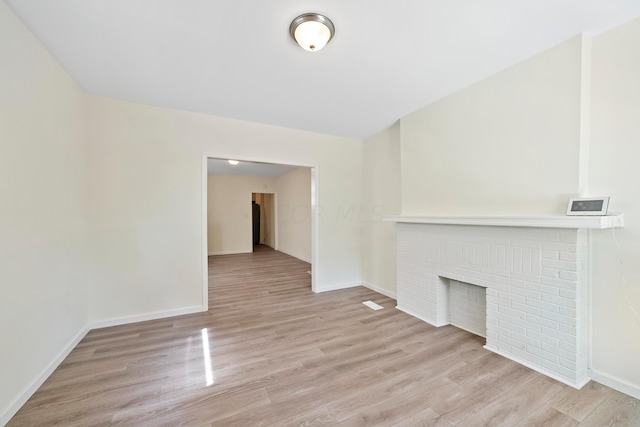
point(615, 148)
point(145, 175)
point(381, 196)
point(229, 224)
point(43, 218)
point(294, 213)
point(508, 144)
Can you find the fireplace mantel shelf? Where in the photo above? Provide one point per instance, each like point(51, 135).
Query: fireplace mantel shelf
point(613, 220)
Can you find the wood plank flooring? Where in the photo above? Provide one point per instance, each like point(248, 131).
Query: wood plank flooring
point(281, 355)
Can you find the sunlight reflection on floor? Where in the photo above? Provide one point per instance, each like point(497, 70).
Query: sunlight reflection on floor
point(207, 357)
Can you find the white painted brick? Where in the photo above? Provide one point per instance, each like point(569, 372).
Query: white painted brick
point(559, 283)
point(569, 275)
point(491, 292)
point(555, 349)
point(520, 243)
point(526, 308)
point(561, 265)
point(504, 348)
point(491, 321)
point(515, 344)
point(526, 260)
point(504, 332)
point(467, 307)
point(528, 326)
point(535, 279)
point(568, 346)
point(527, 233)
point(550, 235)
point(547, 254)
point(496, 273)
point(570, 256)
point(528, 293)
point(532, 342)
point(547, 322)
point(517, 260)
point(515, 329)
point(525, 355)
point(569, 312)
point(569, 330)
point(563, 337)
point(554, 299)
point(526, 277)
point(549, 307)
point(501, 263)
point(546, 289)
point(550, 341)
point(569, 236)
point(555, 246)
point(513, 313)
point(534, 303)
point(550, 315)
point(554, 358)
point(511, 282)
point(568, 364)
point(512, 297)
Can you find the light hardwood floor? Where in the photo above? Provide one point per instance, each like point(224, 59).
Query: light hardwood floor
point(281, 355)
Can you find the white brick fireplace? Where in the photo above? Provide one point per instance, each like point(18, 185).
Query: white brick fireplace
point(536, 273)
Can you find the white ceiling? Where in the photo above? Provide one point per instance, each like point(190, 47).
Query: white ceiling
point(222, 167)
point(236, 59)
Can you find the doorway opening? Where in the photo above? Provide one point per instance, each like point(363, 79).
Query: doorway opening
point(263, 221)
point(283, 226)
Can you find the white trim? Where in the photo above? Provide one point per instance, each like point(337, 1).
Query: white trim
point(227, 253)
point(590, 303)
point(615, 383)
point(205, 234)
point(276, 240)
point(29, 390)
point(613, 220)
point(144, 317)
point(315, 229)
point(575, 384)
point(417, 316)
point(336, 287)
point(380, 290)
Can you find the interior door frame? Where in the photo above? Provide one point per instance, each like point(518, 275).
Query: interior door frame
point(315, 238)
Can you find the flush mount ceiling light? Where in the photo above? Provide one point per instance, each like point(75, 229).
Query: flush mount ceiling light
point(233, 162)
point(312, 31)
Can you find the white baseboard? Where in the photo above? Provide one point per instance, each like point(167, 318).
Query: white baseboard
point(337, 287)
point(575, 384)
point(380, 290)
point(228, 253)
point(144, 317)
point(418, 316)
point(28, 391)
point(615, 383)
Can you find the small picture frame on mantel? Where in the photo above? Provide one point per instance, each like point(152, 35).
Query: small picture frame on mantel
point(588, 206)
